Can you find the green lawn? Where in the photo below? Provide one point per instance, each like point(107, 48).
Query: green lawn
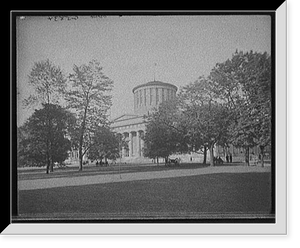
point(192, 196)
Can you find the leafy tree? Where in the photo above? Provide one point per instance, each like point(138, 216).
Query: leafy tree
point(29, 149)
point(209, 125)
point(256, 82)
point(48, 82)
point(105, 144)
point(206, 119)
point(191, 97)
point(164, 135)
point(42, 142)
point(243, 83)
point(88, 98)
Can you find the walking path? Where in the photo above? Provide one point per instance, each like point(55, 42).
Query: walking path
point(124, 177)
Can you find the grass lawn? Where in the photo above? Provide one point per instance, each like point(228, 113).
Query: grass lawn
point(93, 170)
point(192, 196)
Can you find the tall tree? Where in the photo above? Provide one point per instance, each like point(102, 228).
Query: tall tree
point(48, 82)
point(204, 116)
point(244, 84)
point(88, 97)
point(191, 97)
point(256, 81)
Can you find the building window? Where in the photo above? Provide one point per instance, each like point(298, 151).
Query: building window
point(157, 97)
point(163, 95)
point(145, 97)
point(140, 97)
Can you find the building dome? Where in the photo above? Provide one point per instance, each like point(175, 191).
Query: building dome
point(149, 95)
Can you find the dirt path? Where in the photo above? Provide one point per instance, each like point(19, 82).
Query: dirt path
point(113, 178)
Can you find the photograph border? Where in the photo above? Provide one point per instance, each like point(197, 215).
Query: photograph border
point(278, 91)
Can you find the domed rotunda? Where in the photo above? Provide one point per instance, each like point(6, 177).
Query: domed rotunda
point(147, 97)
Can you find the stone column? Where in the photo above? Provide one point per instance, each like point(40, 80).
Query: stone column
point(141, 145)
point(138, 147)
point(130, 144)
point(123, 148)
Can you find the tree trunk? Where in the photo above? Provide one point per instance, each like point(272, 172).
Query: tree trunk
point(80, 157)
point(51, 151)
point(262, 160)
point(48, 138)
point(247, 156)
point(48, 163)
point(204, 155)
point(262, 155)
point(211, 153)
point(81, 138)
point(51, 162)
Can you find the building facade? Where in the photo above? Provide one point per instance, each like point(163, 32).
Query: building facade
point(147, 97)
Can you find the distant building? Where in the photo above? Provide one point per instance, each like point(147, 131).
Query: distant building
point(147, 97)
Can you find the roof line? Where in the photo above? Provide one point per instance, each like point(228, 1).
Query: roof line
point(152, 83)
point(131, 116)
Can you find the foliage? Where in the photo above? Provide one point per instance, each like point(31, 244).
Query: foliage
point(42, 140)
point(48, 82)
point(164, 135)
point(105, 144)
point(206, 119)
point(88, 98)
point(244, 85)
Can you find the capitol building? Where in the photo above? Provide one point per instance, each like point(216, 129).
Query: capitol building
point(132, 127)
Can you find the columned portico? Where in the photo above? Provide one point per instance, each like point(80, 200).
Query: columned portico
point(135, 144)
point(138, 143)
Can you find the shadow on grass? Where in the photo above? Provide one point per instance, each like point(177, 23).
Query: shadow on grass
point(230, 194)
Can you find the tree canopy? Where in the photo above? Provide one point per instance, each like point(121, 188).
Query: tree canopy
point(43, 139)
point(164, 135)
point(88, 97)
point(48, 82)
point(105, 144)
point(244, 84)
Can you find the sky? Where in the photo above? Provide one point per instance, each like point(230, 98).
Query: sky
point(183, 47)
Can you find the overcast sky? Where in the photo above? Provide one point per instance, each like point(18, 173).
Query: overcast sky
point(183, 47)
